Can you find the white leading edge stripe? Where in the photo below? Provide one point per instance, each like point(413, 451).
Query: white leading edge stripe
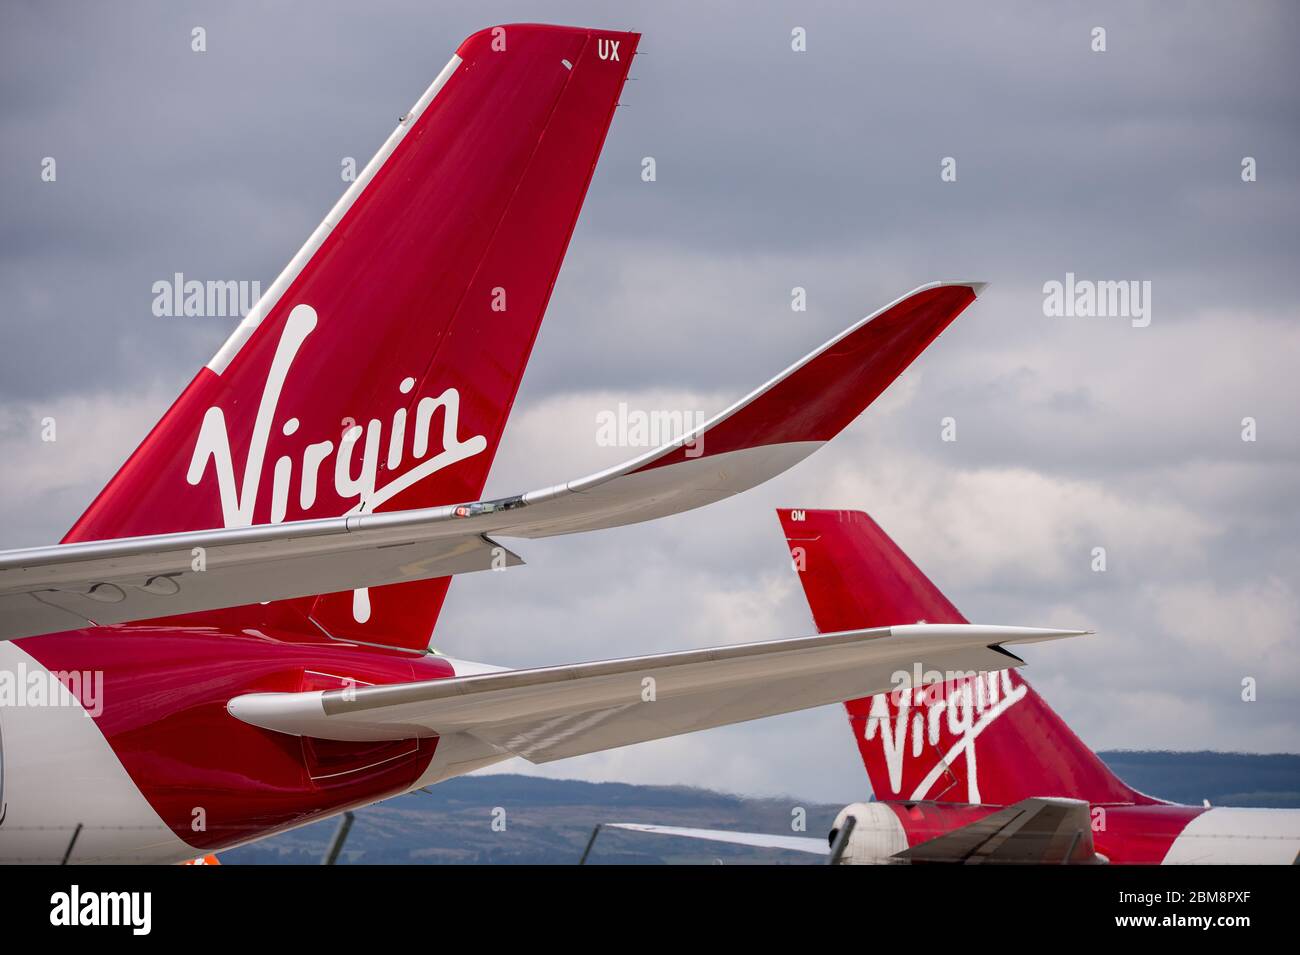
point(221, 360)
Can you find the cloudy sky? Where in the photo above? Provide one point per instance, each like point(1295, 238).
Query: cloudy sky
point(776, 169)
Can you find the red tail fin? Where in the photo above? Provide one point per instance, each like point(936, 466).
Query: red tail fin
point(985, 738)
point(378, 371)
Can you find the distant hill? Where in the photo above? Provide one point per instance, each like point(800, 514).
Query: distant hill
point(550, 821)
point(1226, 779)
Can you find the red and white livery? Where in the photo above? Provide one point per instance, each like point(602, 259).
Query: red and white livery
point(976, 768)
point(233, 640)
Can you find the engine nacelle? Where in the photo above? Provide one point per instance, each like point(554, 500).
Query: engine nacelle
point(877, 834)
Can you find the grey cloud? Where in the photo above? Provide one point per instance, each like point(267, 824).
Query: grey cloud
point(774, 170)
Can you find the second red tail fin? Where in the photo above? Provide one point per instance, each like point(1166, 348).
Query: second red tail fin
point(984, 738)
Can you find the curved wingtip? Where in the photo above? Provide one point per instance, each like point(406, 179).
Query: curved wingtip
point(1037, 634)
point(818, 396)
point(769, 431)
point(983, 633)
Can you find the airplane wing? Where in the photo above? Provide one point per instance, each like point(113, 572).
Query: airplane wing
point(66, 586)
point(760, 840)
point(556, 712)
point(1035, 831)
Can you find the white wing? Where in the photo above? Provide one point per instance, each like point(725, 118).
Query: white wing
point(556, 712)
point(48, 589)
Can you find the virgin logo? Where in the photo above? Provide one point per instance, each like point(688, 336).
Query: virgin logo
point(239, 501)
point(919, 721)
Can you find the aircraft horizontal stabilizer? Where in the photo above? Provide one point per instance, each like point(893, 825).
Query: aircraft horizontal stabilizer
point(556, 712)
point(66, 586)
point(1035, 831)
